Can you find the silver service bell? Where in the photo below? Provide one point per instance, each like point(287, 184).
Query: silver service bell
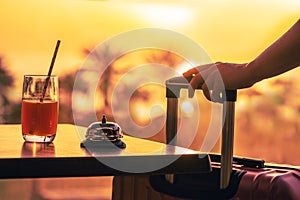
point(103, 134)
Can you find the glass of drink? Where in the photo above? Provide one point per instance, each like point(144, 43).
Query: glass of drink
point(39, 108)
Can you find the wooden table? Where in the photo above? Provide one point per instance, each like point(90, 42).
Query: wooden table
point(65, 158)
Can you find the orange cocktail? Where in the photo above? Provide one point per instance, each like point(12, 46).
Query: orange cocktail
point(39, 108)
point(39, 118)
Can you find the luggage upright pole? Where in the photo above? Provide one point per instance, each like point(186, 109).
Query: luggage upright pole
point(174, 85)
point(171, 121)
point(227, 138)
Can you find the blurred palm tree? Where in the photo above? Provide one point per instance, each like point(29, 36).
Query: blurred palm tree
point(145, 95)
point(9, 112)
point(161, 57)
point(166, 58)
point(66, 83)
point(105, 59)
point(102, 59)
point(111, 73)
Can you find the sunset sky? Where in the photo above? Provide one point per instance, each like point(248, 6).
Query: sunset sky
point(229, 30)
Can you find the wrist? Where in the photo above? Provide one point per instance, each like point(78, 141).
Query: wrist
point(252, 75)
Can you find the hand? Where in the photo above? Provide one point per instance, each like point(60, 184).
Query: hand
point(216, 77)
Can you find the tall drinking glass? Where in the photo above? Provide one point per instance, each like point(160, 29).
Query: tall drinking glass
point(39, 108)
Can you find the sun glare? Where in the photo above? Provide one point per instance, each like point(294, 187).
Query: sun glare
point(184, 67)
point(164, 14)
point(140, 113)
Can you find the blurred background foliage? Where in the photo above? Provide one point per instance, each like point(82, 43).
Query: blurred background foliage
point(267, 115)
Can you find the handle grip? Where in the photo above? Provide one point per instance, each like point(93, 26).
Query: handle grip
point(173, 87)
point(175, 84)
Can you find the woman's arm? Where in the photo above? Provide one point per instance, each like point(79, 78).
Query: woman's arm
point(281, 56)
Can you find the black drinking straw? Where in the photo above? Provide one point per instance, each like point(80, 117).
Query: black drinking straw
point(50, 70)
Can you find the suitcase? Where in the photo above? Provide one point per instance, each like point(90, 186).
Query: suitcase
point(246, 182)
point(231, 177)
point(270, 182)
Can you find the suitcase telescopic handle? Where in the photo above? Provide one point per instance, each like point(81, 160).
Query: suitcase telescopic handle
point(173, 87)
point(227, 138)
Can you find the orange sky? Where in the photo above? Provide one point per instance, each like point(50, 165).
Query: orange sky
point(228, 30)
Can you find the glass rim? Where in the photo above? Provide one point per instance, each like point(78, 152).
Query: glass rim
point(37, 75)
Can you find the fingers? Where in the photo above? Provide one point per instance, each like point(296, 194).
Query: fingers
point(206, 77)
point(195, 83)
point(206, 92)
point(211, 90)
point(214, 95)
point(199, 69)
point(199, 78)
point(211, 84)
point(191, 72)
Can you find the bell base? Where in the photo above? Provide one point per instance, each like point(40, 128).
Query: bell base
point(103, 144)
